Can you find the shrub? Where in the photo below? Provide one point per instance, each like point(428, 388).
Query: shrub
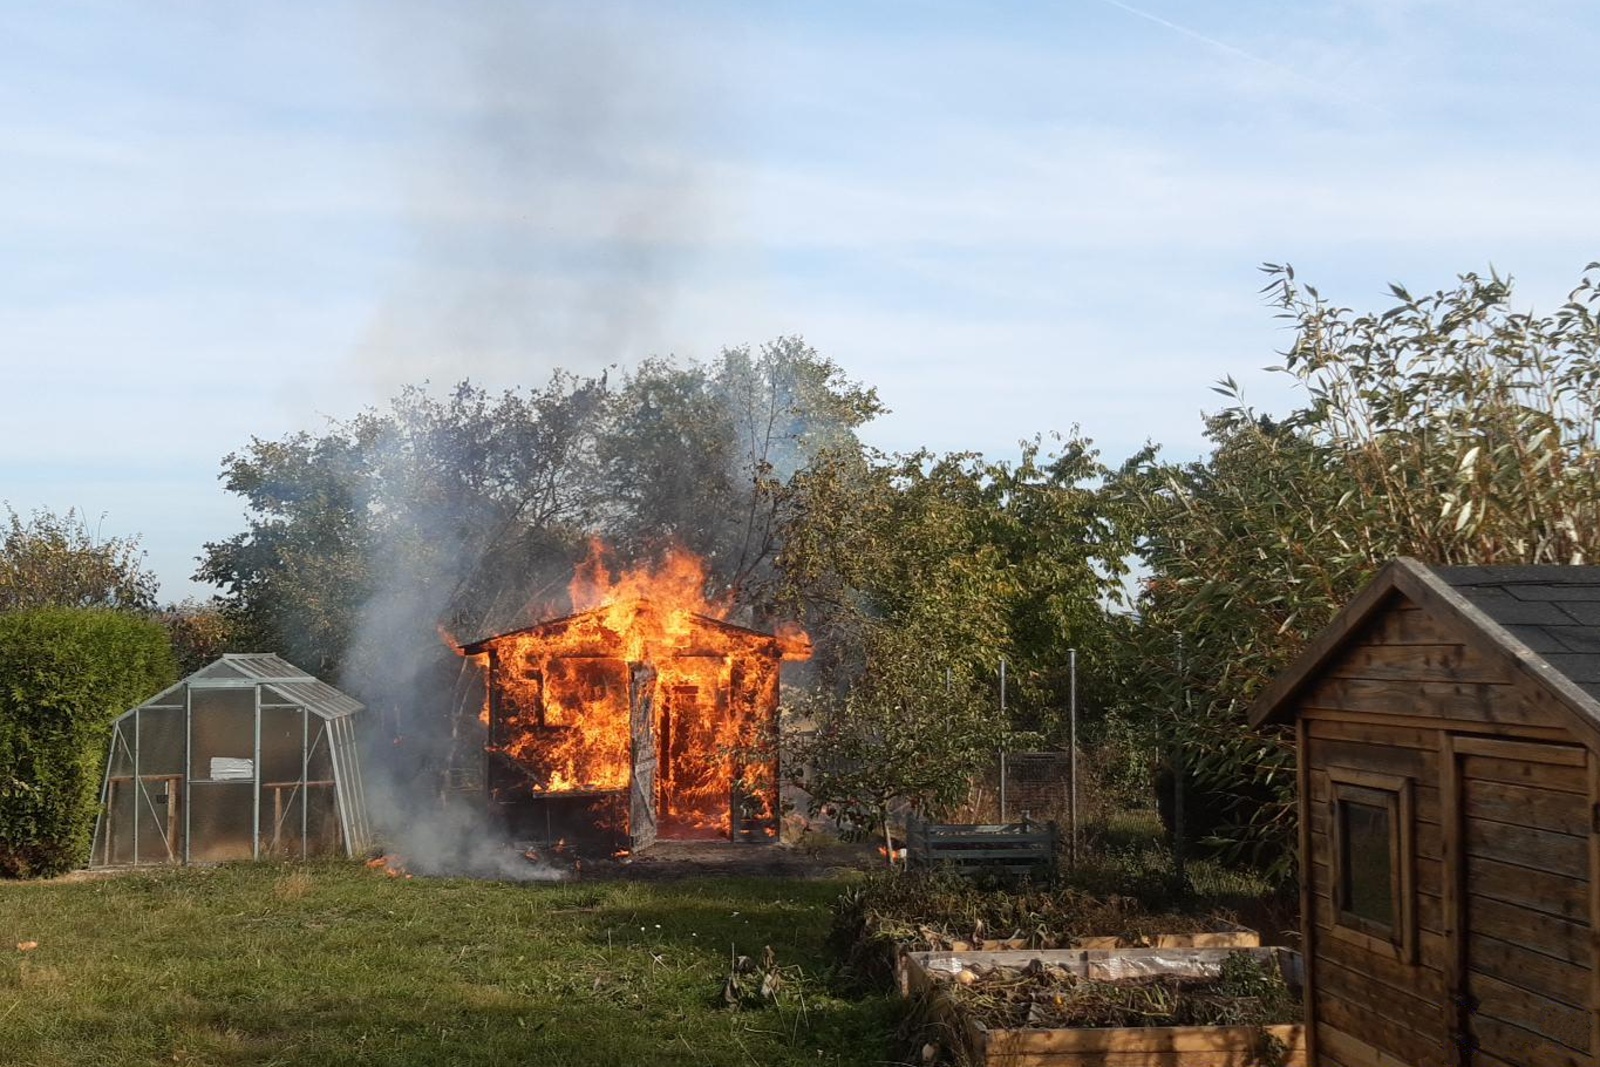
point(65, 674)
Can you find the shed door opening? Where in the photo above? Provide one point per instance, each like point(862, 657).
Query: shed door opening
point(1523, 982)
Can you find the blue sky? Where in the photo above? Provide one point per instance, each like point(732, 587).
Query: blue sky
point(219, 221)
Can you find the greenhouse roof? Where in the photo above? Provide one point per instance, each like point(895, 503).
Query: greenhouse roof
point(250, 669)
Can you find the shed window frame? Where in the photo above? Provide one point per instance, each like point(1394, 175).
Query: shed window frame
point(1394, 794)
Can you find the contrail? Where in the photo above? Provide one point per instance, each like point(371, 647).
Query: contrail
point(1212, 41)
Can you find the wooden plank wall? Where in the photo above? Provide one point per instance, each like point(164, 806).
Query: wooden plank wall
point(1382, 706)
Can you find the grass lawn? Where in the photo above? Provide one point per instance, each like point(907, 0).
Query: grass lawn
point(336, 964)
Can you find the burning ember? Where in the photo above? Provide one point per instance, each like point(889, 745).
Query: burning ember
point(390, 864)
point(645, 709)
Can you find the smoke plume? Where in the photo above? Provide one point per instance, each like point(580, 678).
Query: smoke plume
point(555, 199)
point(546, 216)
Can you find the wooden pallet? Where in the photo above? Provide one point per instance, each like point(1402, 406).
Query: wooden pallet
point(1018, 848)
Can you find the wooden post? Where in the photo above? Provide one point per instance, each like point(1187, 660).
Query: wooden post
point(277, 816)
point(174, 801)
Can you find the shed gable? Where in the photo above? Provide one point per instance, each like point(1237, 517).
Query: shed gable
point(1407, 662)
point(1459, 643)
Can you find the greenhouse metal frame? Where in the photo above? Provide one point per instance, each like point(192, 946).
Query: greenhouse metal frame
point(247, 758)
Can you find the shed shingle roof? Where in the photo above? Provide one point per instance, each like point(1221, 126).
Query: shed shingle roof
point(1554, 611)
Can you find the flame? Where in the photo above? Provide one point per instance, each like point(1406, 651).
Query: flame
point(647, 659)
point(391, 865)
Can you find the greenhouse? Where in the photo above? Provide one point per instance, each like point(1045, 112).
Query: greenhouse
point(248, 758)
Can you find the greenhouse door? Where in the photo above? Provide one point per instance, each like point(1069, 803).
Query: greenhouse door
point(145, 820)
point(161, 799)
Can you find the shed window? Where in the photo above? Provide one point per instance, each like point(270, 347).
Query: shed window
point(1366, 868)
point(1372, 841)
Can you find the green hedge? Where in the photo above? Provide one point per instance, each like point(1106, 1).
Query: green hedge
point(65, 674)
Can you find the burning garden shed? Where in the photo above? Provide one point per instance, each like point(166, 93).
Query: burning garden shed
point(643, 717)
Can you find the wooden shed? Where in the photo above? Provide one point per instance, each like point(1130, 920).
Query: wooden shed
point(631, 722)
point(1448, 724)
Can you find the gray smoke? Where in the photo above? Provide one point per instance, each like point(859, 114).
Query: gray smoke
point(555, 199)
point(547, 214)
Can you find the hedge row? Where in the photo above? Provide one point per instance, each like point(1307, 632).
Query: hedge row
point(65, 674)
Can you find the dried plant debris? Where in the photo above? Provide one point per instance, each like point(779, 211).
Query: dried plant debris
point(755, 985)
point(937, 912)
point(1249, 991)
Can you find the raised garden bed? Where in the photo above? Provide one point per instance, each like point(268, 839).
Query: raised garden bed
point(1231, 937)
point(876, 923)
point(1114, 1008)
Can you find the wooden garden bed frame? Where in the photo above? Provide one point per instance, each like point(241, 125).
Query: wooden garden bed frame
point(1151, 1046)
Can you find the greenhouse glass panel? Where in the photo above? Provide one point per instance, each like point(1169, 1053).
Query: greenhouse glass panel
point(121, 763)
point(157, 816)
point(222, 725)
point(161, 741)
point(282, 808)
point(319, 757)
point(117, 848)
point(324, 837)
point(282, 738)
point(221, 821)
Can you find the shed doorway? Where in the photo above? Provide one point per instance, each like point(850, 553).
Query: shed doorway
point(1520, 897)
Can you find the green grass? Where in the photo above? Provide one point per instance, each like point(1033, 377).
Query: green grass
point(336, 964)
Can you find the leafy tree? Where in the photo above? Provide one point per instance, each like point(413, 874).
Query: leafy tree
point(1066, 545)
point(1448, 427)
point(65, 673)
point(200, 633)
point(53, 560)
point(978, 560)
point(446, 507)
point(917, 574)
point(901, 734)
point(293, 579)
point(697, 455)
point(469, 511)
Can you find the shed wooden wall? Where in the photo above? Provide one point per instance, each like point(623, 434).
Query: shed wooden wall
point(1392, 702)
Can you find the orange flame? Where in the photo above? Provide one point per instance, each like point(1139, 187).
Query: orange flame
point(391, 865)
point(645, 676)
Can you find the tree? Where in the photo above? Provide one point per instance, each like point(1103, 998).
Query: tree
point(444, 509)
point(200, 633)
point(1447, 427)
point(293, 579)
point(976, 560)
point(55, 561)
point(917, 574)
point(1066, 545)
point(905, 732)
point(697, 455)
